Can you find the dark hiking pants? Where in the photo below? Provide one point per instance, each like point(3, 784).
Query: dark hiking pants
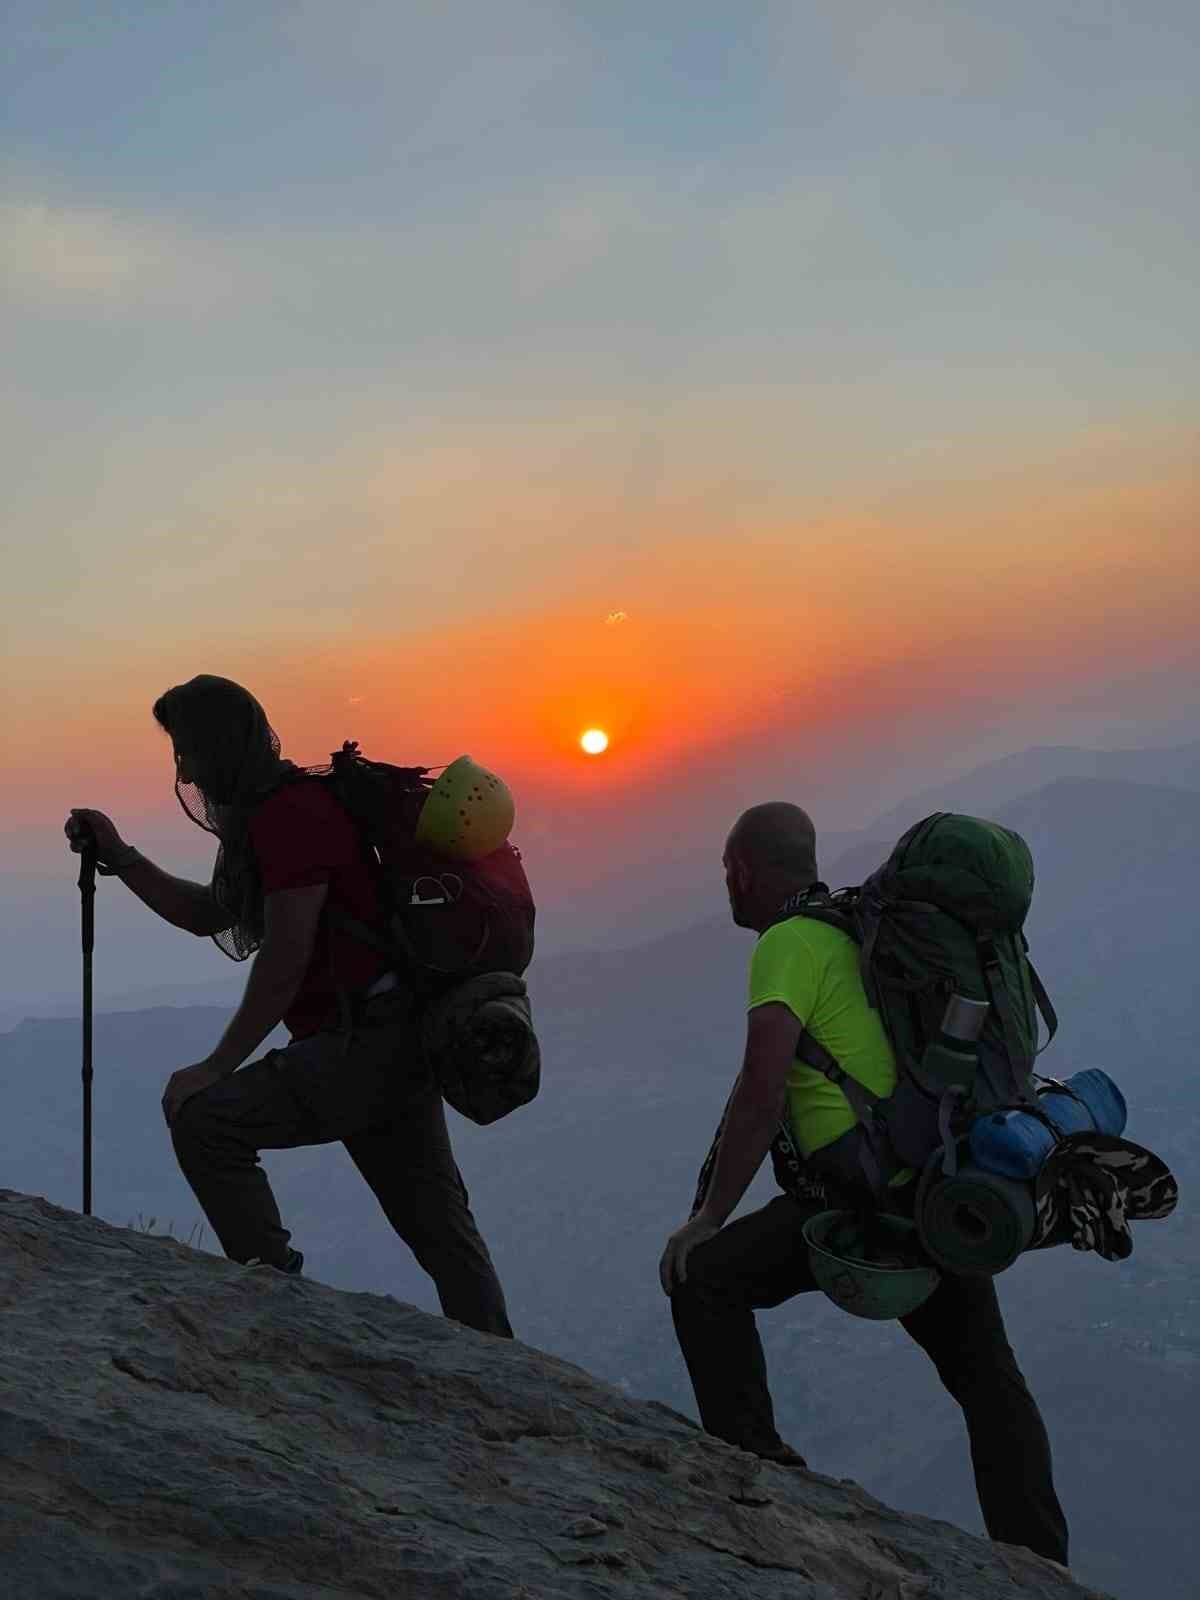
point(378, 1097)
point(761, 1261)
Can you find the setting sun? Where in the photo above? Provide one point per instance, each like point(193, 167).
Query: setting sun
point(595, 741)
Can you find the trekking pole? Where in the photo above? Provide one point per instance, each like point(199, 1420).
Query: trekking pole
point(87, 897)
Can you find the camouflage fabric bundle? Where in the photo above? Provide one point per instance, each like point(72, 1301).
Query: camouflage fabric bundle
point(1092, 1185)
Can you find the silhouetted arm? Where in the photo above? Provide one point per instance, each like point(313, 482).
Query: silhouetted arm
point(291, 917)
point(186, 905)
point(290, 935)
point(756, 1109)
point(190, 906)
point(750, 1123)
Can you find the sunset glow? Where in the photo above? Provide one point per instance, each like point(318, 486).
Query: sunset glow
point(668, 462)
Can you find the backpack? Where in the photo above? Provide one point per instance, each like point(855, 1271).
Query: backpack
point(942, 917)
point(444, 921)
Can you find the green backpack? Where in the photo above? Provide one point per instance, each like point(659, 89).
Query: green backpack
point(942, 917)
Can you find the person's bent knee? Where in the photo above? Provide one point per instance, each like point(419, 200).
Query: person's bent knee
point(696, 1294)
point(706, 1272)
point(185, 1139)
point(195, 1124)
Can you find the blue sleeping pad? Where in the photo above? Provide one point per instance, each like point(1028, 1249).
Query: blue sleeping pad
point(1014, 1144)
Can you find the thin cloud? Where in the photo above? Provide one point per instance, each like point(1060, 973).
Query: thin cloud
point(584, 230)
point(63, 255)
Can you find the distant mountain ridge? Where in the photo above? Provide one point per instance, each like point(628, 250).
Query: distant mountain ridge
point(844, 857)
point(1095, 843)
point(998, 783)
point(998, 786)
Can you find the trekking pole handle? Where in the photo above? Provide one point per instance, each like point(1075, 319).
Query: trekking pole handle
point(87, 891)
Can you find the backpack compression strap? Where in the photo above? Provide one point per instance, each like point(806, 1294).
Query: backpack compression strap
point(993, 976)
point(1049, 1015)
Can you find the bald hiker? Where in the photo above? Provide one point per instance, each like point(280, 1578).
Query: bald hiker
point(805, 982)
point(294, 886)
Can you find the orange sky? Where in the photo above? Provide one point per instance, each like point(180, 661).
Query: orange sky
point(736, 630)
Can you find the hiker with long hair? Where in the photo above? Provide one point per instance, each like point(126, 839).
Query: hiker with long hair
point(805, 980)
point(290, 865)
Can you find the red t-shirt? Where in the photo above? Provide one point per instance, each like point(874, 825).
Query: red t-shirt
point(301, 836)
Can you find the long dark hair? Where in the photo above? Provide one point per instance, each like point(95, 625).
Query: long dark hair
point(231, 754)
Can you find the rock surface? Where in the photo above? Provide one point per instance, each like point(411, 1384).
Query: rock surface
point(175, 1426)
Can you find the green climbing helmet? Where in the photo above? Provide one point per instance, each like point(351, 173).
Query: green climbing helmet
point(871, 1266)
point(468, 813)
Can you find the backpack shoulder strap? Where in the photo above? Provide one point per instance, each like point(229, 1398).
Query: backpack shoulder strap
point(359, 930)
point(876, 1164)
point(814, 1054)
point(856, 913)
point(831, 915)
point(818, 905)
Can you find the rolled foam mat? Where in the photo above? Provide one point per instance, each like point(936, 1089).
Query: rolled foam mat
point(976, 1222)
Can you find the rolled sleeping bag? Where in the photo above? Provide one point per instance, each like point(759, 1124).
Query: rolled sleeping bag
point(1014, 1144)
point(975, 1223)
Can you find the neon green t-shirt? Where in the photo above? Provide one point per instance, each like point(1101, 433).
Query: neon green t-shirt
point(813, 970)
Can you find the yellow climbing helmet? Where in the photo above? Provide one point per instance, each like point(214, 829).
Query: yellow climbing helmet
point(468, 813)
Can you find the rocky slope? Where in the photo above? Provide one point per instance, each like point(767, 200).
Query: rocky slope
point(172, 1425)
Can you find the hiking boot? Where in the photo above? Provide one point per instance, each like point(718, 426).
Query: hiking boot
point(292, 1266)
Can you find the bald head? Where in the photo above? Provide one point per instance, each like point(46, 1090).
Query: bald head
point(770, 854)
point(776, 840)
